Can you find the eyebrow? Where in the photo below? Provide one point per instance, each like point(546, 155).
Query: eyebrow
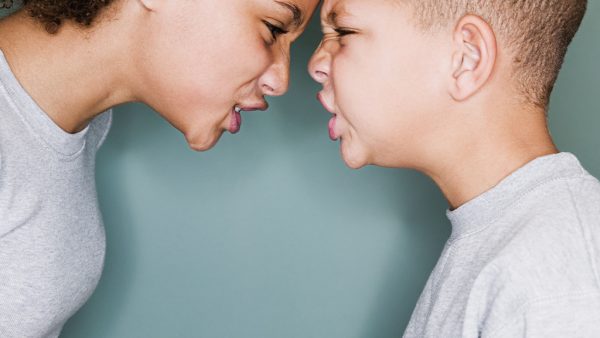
point(298, 16)
point(332, 17)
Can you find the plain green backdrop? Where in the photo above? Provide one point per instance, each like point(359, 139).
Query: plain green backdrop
point(269, 235)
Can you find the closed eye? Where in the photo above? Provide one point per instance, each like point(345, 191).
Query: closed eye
point(275, 30)
point(343, 31)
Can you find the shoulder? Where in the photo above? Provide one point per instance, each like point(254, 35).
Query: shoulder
point(568, 315)
point(556, 246)
point(552, 258)
point(556, 238)
point(510, 294)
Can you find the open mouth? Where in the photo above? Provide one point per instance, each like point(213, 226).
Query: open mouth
point(332, 135)
point(235, 118)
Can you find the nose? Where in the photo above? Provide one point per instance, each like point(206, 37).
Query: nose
point(319, 66)
point(275, 81)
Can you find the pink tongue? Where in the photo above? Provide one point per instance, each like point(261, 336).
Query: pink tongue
point(236, 123)
point(331, 129)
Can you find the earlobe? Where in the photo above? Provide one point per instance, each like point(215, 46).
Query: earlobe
point(474, 57)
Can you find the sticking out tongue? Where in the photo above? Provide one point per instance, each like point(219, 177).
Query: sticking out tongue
point(236, 122)
point(332, 135)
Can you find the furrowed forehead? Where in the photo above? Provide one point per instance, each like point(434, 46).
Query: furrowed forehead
point(330, 11)
point(333, 10)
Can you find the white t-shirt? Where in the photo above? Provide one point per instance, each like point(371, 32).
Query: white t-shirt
point(52, 239)
point(522, 261)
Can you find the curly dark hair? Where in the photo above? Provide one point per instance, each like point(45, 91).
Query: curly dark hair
point(52, 13)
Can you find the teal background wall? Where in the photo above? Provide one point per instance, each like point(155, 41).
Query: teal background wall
point(269, 235)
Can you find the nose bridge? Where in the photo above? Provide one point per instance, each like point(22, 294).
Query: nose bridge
point(319, 65)
point(318, 55)
point(277, 76)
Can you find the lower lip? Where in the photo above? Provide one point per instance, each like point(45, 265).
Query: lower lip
point(332, 135)
point(235, 123)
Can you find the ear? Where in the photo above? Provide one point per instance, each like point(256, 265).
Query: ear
point(474, 56)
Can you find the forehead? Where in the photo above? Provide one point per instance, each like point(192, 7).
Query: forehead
point(300, 10)
point(336, 9)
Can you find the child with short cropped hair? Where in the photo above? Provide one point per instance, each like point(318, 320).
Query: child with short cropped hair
point(459, 90)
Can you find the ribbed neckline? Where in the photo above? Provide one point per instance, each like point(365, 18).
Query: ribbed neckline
point(491, 205)
point(41, 124)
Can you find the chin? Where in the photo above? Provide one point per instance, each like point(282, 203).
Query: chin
point(202, 142)
point(354, 159)
point(354, 164)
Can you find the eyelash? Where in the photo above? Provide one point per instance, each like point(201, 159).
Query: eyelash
point(343, 32)
point(275, 30)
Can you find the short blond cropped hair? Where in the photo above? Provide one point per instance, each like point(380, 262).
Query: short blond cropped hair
point(538, 32)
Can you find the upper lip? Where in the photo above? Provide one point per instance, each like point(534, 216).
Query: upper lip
point(254, 106)
point(324, 103)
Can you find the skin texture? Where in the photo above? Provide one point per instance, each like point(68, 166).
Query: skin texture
point(191, 61)
point(441, 102)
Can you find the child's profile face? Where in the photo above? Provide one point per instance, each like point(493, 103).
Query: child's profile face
point(382, 79)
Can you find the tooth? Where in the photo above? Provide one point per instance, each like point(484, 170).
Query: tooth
point(238, 109)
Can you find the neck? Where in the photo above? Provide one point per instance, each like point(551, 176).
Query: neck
point(489, 150)
point(72, 75)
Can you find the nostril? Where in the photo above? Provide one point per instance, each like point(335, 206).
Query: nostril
point(320, 75)
point(268, 89)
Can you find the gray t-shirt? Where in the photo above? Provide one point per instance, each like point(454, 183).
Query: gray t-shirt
point(52, 240)
point(522, 260)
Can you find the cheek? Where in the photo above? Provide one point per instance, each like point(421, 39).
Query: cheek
point(194, 86)
point(203, 62)
point(388, 97)
point(359, 93)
